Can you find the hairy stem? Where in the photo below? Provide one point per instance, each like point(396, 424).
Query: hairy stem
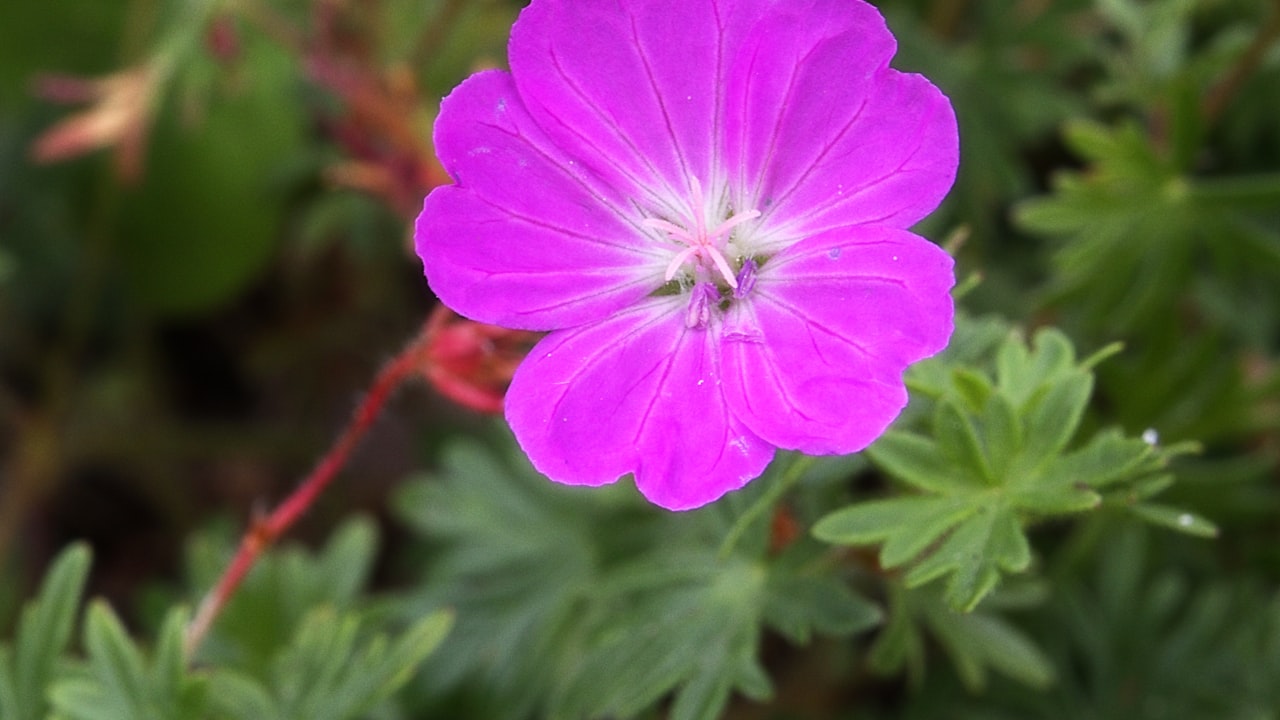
point(263, 532)
point(1220, 95)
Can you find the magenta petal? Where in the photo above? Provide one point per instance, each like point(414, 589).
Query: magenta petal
point(638, 393)
point(773, 75)
point(637, 85)
point(705, 201)
point(693, 449)
point(814, 360)
point(822, 133)
point(525, 239)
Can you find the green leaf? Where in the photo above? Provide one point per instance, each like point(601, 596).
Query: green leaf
point(974, 554)
point(305, 675)
point(907, 525)
point(993, 460)
point(916, 460)
point(978, 641)
point(347, 560)
point(703, 698)
point(973, 340)
point(1054, 415)
point(797, 605)
point(971, 386)
point(1106, 459)
point(1149, 487)
point(1056, 500)
point(79, 698)
point(1002, 434)
point(957, 437)
point(260, 618)
point(117, 662)
point(753, 682)
point(1019, 373)
point(327, 674)
point(690, 635)
point(576, 603)
point(1137, 232)
point(236, 695)
point(901, 644)
point(1175, 519)
point(116, 686)
point(181, 694)
point(42, 635)
point(409, 650)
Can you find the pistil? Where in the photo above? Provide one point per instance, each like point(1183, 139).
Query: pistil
point(704, 246)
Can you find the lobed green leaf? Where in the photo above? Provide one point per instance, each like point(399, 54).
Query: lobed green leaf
point(994, 458)
point(1053, 415)
point(907, 525)
point(915, 460)
point(42, 635)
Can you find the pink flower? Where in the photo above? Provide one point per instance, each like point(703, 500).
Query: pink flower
point(706, 203)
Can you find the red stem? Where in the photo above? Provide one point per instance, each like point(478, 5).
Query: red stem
point(1219, 96)
point(264, 531)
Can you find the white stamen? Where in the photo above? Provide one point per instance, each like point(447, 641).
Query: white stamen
point(671, 229)
point(677, 261)
point(703, 245)
point(734, 222)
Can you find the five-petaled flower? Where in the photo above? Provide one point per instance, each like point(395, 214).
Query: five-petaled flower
point(706, 203)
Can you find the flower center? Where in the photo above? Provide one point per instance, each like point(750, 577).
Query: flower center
point(703, 246)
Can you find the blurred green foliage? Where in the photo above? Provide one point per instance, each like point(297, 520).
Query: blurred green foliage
point(205, 256)
point(328, 667)
point(589, 604)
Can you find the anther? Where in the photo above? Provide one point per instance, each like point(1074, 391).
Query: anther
point(698, 316)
